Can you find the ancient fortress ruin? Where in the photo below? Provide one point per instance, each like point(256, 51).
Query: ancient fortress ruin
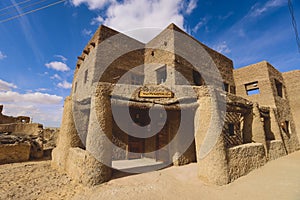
point(176, 101)
point(21, 140)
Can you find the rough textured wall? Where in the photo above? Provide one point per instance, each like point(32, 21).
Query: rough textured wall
point(159, 52)
point(212, 167)
point(292, 84)
point(283, 110)
point(27, 129)
point(268, 79)
point(18, 152)
point(275, 149)
point(245, 158)
point(9, 119)
point(256, 72)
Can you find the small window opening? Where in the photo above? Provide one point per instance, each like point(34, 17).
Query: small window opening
point(85, 76)
point(226, 87)
point(279, 88)
point(161, 75)
point(231, 129)
point(152, 53)
point(198, 81)
point(286, 126)
point(252, 88)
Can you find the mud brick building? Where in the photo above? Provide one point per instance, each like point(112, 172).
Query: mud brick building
point(176, 101)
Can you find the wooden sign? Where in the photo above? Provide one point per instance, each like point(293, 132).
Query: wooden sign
point(156, 94)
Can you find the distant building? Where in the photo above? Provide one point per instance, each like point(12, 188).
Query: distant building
point(229, 121)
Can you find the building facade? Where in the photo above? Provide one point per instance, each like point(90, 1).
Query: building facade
point(176, 101)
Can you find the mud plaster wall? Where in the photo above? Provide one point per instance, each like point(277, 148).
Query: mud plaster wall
point(254, 156)
point(266, 75)
point(256, 72)
point(292, 83)
point(283, 110)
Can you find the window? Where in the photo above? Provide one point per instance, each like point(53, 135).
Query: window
point(231, 129)
point(198, 81)
point(252, 88)
point(161, 75)
point(85, 76)
point(279, 88)
point(226, 87)
point(286, 126)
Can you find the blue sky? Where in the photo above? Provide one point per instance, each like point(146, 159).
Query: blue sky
point(38, 51)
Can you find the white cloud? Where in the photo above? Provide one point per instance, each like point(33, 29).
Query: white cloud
point(56, 76)
point(58, 66)
point(128, 15)
point(222, 47)
point(5, 86)
point(42, 89)
point(258, 10)
point(86, 32)
point(64, 59)
point(35, 98)
point(191, 6)
point(2, 56)
point(93, 4)
point(136, 14)
point(97, 20)
point(48, 115)
point(65, 85)
point(200, 24)
point(42, 107)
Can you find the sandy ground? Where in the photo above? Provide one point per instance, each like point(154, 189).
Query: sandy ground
point(279, 179)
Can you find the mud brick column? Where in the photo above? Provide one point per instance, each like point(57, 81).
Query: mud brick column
point(212, 164)
point(99, 136)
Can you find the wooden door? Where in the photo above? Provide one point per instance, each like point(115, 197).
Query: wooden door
point(136, 147)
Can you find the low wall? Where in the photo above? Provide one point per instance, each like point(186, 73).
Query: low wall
point(244, 158)
point(84, 168)
point(27, 129)
point(18, 152)
point(275, 149)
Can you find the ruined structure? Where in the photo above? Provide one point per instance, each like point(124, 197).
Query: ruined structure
point(177, 101)
point(20, 140)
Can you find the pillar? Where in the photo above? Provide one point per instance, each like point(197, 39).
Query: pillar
point(98, 142)
point(67, 137)
point(210, 143)
point(258, 131)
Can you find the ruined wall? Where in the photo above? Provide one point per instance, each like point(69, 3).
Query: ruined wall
point(26, 129)
point(17, 152)
point(9, 119)
point(292, 83)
